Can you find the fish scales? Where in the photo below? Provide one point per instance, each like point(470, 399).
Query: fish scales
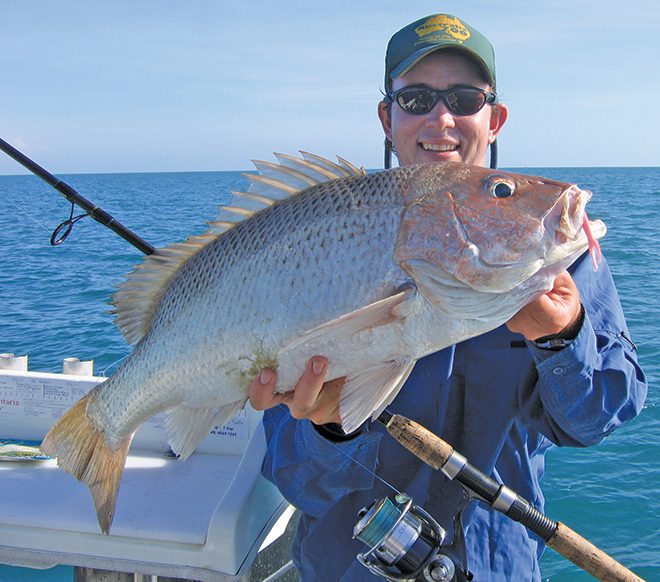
point(152, 380)
point(373, 271)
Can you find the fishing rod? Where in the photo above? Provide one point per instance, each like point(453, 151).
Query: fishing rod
point(405, 542)
point(91, 209)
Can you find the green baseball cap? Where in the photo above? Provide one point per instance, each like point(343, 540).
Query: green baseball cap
point(438, 31)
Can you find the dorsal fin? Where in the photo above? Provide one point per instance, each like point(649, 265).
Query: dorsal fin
point(319, 172)
point(137, 299)
point(350, 167)
point(276, 182)
point(344, 168)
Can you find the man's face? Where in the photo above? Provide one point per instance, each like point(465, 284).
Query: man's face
point(439, 135)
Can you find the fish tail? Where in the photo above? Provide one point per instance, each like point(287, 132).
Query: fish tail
point(83, 450)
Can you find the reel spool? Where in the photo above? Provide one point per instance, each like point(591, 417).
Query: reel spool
point(404, 542)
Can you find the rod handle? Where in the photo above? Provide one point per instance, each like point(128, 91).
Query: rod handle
point(584, 554)
point(435, 452)
point(420, 441)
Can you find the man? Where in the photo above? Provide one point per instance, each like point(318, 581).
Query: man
point(562, 371)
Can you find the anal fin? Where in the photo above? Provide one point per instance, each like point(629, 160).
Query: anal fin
point(187, 427)
point(368, 392)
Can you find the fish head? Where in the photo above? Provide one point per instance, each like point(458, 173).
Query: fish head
point(491, 230)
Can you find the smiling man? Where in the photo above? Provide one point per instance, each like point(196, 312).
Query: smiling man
point(561, 372)
point(447, 110)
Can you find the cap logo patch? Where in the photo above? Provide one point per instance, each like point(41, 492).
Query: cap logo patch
point(442, 28)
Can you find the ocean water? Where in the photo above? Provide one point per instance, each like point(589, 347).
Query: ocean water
point(55, 305)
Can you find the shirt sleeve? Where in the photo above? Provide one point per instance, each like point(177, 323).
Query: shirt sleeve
point(587, 389)
point(312, 472)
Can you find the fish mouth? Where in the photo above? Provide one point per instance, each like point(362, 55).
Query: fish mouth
point(571, 219)
point(573, 231)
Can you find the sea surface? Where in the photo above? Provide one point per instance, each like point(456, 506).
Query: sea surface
point(54, 304)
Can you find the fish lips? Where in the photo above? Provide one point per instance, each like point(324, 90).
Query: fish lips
point(569, 226)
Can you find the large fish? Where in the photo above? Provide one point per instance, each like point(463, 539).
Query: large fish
point(373, 271)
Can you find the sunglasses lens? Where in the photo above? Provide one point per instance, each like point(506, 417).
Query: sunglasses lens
point(465, 101)
point(421, 100)
point(417, 100)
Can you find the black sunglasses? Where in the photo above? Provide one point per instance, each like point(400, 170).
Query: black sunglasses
point(461, 101)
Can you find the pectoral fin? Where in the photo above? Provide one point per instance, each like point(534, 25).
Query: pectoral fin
point(383, 312)
point(368, 392)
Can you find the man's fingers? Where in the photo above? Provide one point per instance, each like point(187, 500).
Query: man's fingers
point(301, 400)
point(306, 392)
point(262, 391)
point(549, 313)
point(312, 398)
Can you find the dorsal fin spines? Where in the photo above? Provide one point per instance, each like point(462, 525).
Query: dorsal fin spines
point(285, 174)
point(319, 172)
point(340, 170)
point(250, 201)
point(258, 199)
point(137, 298)
point(221, 226)
point(269, 188)
point(351, 168)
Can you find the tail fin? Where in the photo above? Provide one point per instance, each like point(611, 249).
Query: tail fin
point(82, 450)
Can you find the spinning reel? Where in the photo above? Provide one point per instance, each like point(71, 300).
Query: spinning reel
point(405, 543)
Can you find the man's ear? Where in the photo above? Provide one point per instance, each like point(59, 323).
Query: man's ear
point(498, 117)
point(385, 116)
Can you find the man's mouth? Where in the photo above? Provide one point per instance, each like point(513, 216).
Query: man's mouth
point(435, 147)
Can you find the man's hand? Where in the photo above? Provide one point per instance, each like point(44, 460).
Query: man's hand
point(551, 313)
point(312, 398)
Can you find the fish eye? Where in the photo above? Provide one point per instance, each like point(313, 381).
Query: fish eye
point(501, 188)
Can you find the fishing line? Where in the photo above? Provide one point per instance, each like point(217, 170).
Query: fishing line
point(116, 362)
point(26, 213)
point(91, 209)
point(367, 469)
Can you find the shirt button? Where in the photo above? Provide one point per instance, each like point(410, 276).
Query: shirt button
point(558, 371)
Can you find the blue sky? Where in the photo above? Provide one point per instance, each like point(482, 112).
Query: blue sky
point(159, 85)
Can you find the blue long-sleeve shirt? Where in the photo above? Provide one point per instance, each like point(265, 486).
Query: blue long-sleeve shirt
point(499, 401)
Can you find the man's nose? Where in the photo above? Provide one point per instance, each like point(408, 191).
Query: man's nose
point(440, 116)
